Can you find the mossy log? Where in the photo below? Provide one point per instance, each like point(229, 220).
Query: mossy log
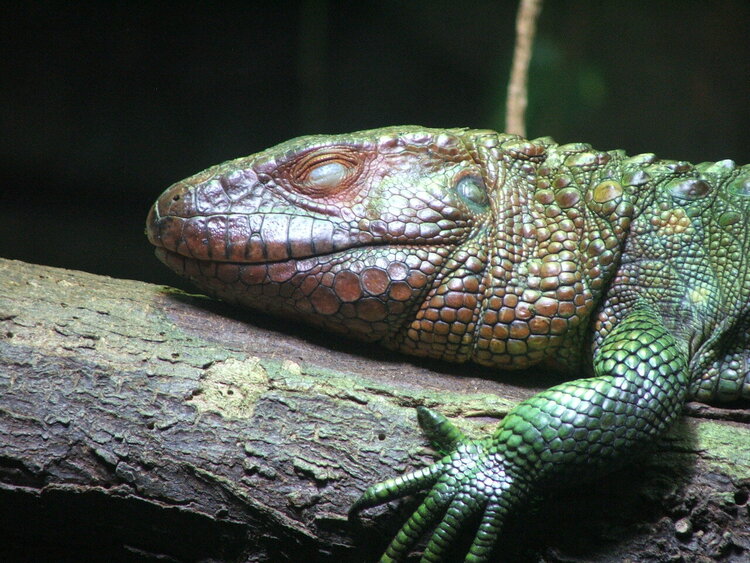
point(139, 422)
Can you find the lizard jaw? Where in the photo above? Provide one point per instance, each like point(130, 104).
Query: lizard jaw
point(371, 304)
point(251, 239)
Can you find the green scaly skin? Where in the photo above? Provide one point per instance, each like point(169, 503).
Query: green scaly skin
point(469, 245)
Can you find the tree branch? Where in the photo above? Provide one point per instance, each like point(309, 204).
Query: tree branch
point(140, 421)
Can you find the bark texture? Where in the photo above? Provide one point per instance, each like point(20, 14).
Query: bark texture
point(139, 422)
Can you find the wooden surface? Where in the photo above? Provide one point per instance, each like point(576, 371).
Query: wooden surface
point(139, 422)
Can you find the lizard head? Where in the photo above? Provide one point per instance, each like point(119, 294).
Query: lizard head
point(458, 244)
point(345, 231)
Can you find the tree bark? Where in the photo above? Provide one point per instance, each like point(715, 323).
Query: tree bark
point(141, 422)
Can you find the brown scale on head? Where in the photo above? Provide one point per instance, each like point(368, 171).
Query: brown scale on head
point(458, 244)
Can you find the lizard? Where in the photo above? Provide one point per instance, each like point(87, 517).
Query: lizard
point(628, 275)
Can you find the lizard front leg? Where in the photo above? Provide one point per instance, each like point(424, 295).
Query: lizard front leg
point(578, 429)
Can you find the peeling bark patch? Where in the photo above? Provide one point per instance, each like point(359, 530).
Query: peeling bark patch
point(231, 388)
point(317, 469)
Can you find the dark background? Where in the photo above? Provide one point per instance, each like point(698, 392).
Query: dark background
point(103, 105)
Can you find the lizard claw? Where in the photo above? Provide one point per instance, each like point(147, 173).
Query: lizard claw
point(442, 433)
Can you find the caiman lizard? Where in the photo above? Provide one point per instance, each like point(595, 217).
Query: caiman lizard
point(630, 275)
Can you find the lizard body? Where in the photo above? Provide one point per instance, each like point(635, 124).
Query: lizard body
point(469, 245)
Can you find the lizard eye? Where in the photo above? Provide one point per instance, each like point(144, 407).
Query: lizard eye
point(472, 190)
point(325, 173)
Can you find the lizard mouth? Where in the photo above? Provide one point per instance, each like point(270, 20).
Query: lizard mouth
point(194, 267)
point(250, 238)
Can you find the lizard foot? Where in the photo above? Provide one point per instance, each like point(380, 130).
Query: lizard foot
point(471, 483)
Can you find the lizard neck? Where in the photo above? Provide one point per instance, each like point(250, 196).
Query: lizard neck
point(520, 290)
